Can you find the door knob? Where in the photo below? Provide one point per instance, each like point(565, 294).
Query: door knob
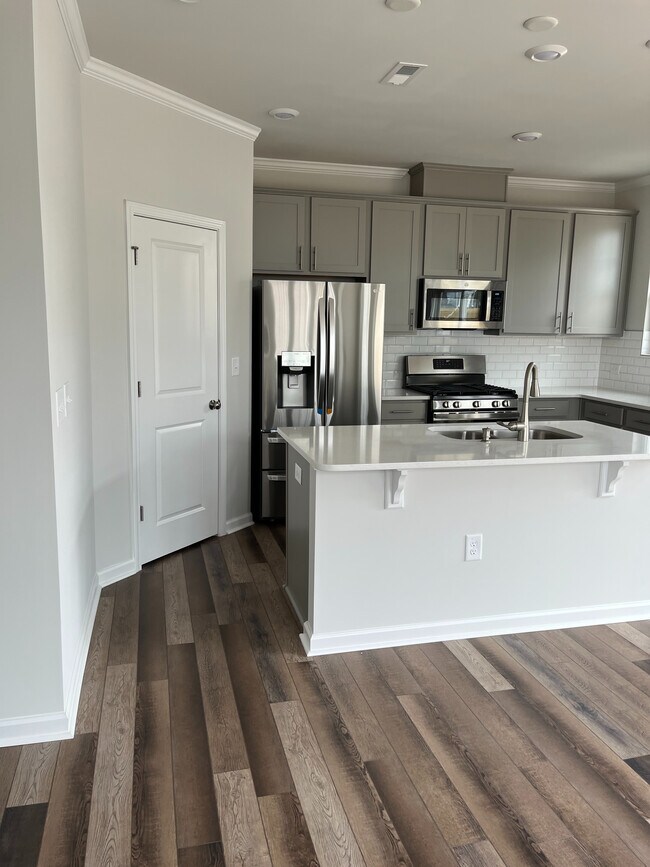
point(215, 404)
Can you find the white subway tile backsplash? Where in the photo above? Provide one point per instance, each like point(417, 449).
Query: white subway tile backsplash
point(611, 362)
point(563, 361)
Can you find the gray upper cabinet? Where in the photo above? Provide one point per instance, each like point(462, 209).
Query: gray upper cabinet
point(395, 260)
point(464, 242)
point(599, 264)
point(280, 240)
point(538, 259)
point(444, 241)
point(339, 236)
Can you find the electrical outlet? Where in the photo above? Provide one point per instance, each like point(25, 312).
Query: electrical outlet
point(297, 471)
point(474, 546)
point(235, 366)
point(59, 397)
point(67, 399)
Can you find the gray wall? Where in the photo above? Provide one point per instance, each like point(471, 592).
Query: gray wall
point(30, 638)
point(60, 158)
point(137, 150)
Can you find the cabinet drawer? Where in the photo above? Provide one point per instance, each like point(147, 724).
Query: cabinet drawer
point(554, 408)
point(274, 494)
point(603, 413)
point(403, 411)
point(637, 420)
point(274, 452)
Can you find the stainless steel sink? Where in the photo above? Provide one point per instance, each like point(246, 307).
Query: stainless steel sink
point(536, 433)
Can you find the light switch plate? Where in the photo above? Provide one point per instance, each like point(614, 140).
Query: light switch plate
point(59, 396)
point(297, 471)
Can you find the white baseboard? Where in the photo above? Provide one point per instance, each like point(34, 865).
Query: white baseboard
point(60, 725)
point(116, 573)
point(239, 523)
point(477, 627)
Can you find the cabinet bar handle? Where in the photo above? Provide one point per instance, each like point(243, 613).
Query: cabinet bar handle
point(313, 267)
point(544, 409)
point(569, 325)
point(276, 478)
point(274, 440)
point(460, 264)
point(411, 318)
point(558, 323)
point(300, 257)
point(466, 264)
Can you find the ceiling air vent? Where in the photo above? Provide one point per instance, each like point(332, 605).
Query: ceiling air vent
point(402, 73)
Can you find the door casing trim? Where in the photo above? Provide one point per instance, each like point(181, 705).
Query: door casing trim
point(152, 212)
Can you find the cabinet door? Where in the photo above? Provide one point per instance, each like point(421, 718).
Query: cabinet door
point(444, 241)
point(537, 272)
point(599, 263)
point(485, 241)
point(279, 233)
point(339, 236)
point(395, 260)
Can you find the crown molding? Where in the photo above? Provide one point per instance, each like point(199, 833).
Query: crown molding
point(132, 83)
point(561, 184)
point(76, 34)
point(311, 168)
point(632, 183)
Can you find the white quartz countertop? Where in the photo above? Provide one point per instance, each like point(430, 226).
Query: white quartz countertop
point(624, 398)
point(385, 447)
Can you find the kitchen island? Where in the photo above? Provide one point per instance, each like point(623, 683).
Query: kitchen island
point(377, 518)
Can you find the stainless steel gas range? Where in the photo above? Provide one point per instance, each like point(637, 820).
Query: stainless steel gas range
point(457, 388)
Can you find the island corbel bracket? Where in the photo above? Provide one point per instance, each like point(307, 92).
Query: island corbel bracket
point(394, 485)
point(610, 476)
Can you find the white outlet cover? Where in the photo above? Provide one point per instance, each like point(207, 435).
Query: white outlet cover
point(297, 471)
point(235, 366)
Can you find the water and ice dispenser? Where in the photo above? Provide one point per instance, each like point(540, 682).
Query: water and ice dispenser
point(296, 380)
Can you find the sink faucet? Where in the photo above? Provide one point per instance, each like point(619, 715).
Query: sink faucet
point(531, 389)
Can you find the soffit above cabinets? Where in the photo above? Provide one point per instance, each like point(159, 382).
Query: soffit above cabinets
point(327, 59)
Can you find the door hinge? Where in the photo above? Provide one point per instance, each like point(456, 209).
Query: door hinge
point(142, 513)
point(135, 255)
point(139, 388)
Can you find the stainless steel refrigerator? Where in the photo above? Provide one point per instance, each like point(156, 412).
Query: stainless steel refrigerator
point(318, 361)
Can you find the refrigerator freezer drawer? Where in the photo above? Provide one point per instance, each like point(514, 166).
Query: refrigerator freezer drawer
point(274, 488)
point(274, 452)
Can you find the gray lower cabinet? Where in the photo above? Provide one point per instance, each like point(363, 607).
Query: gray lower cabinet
point(637, 420)
point(549, 408)
point(280, 237)
point(396, 246)
point(464, 242)
point(599, 266)
point(538, 258)
point(339, 236)
point(298, 524)
point(602, 413)
point(404, 411)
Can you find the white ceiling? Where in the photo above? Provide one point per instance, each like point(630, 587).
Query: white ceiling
point(326, 57)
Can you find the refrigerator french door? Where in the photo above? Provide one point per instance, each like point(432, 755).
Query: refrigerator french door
point(319, 363)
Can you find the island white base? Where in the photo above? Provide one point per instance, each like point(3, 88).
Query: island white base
point(556, 552)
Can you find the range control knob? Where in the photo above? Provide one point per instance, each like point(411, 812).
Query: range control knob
point(495, 403)
point(445, 404)
point(456, 404)
point(476, 404)
point(506, 403)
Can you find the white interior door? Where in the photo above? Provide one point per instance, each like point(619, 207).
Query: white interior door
point(175, 292)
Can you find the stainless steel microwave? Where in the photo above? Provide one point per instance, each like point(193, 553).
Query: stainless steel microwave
point(457, 303)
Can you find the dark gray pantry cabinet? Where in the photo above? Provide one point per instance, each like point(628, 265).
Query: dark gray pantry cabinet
point(567, 270)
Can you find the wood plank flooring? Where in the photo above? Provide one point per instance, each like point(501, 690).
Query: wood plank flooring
point(205, 737)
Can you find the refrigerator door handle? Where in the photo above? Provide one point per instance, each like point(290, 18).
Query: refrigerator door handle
point(331, 353)
point(321, 361)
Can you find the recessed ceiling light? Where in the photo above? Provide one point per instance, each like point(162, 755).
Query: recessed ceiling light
point(403, 5)
point(284, 113)
point(541, 22)
point(546, 53)
point(527, 136)
point(189, 1)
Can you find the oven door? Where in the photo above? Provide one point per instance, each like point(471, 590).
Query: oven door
point(450, 304)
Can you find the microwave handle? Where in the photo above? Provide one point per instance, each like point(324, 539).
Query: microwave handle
point(488, 307)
